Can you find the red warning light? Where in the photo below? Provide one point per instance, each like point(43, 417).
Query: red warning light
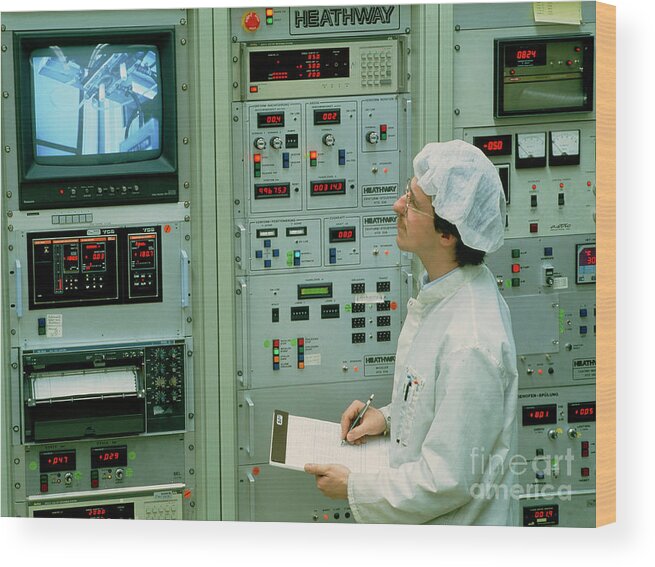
point(257, 158)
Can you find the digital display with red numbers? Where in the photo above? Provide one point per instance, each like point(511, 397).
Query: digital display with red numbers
point(55, 461)
point(270, 119)
point(494, 145)
point(273, 191)
point(299, 64)
point(585, 264)
point(525, 55)
point(108, 457)
point(580, 412)
point(328, 187)
point(327, 116)
point(539, 415)
point(540, 516)
point(94, 256)
point(143, 251)
point(344, 234)
point(99, 512)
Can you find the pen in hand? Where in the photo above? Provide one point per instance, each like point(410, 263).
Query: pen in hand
point(359, 416)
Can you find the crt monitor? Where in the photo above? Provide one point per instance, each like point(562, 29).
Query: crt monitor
point(97, 114)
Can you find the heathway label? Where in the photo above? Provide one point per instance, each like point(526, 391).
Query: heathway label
point(380, 225)
point(379, 364)
point(584, 369)
point(339, 17)
point(378, 195)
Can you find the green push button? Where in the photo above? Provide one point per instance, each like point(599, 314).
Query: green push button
point(516, 253)
point(516, 282)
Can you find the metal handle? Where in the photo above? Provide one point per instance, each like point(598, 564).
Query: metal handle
point(244, 331)
point(251, 426)
point(242, 246)
point(409, 140)
point(251, 494)
point(19, 289)
point(184, 270)
point(409, 278)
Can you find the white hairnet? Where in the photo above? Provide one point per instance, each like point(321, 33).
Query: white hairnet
point(466, 191)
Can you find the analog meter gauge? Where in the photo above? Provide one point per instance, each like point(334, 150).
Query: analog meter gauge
point(531, 150)
point(564, 148)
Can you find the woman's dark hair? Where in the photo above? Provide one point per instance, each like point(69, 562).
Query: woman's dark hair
point(463, 254)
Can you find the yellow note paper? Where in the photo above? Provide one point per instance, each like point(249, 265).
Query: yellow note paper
point(558, 12)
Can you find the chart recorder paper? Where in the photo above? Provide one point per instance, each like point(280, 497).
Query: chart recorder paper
point(296, 441)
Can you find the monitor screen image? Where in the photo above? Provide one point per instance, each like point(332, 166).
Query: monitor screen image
point(96, 103)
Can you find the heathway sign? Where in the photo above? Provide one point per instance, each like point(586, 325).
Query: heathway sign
point(338, 17)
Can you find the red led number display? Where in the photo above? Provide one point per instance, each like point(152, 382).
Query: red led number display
point(281, 190)
point(336, 187)
point(539, 415)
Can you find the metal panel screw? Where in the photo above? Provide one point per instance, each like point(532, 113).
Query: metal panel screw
point(237, 202)
point(457, 48)
point(7, 149)
point(4, 48)
point(14, 365)
point(187, 237)
point(183, 41)
point(234, 39)
point(183, 22)
point(10, 213)
point(15, 428)
point(11, 247)
point(189, 353)
point(187, 218)
point(13, 331)
point(235, 118)
point(237, 259)
point(187, 184)
point(17, 461)
point(237, 235)
point(5, 94)
point(189, 319)
point(191, 416)
point(17, 486)
point(238, 292)
point(457, 112)
point(191, 447)
point(185, 140)
point(9, 194)
point(235, 59)
point(192, 471)
point(185, 87)
point(187, 204)
point(235, 85)
point(458, 27)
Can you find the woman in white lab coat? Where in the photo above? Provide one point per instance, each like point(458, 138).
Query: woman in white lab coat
point(452, 419)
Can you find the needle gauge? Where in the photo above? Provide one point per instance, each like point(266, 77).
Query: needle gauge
point(565, 148)
point(531, 150)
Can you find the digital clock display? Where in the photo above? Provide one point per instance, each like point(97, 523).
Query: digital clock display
point(539, 415)
point(345, 234)
point(108, 457)
point(55, 461)
point(329, 187)
point(530, 55)
point(327, 116)
point(580, 412)
point(299, 64)
point(494, 145)
point(270, 119)
point(540, 516)
point(273, 191)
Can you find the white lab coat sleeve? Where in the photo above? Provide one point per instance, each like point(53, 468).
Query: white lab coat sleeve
point(468, 419)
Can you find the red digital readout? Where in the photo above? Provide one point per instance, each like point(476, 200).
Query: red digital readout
point(582, 412)
point(588, 257)
point(337, 187)
point(523, 54)
point(96, 512)
point(493, 145)
point(109, 456)
point(345, 234)
point(538, 514)
point(539, 415)
point(331, 116)
point(342, 234)
point(272, 191)
point(58, 460)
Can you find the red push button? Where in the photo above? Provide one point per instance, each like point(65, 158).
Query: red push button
point(584, 471)
point(250, 21)
point(516, 268)
point(534, 227)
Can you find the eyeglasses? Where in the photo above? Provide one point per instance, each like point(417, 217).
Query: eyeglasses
point(408, 202)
